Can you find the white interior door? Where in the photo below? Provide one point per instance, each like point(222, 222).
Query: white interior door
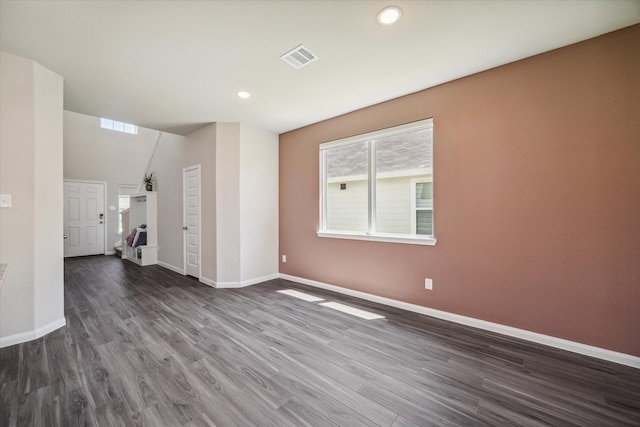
point(191, 228)
point(84, 218)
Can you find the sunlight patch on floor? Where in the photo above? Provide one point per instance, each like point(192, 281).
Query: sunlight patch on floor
point(353, 311)
point(300, 295)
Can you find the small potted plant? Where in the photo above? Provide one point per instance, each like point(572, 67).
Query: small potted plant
point(148, 181)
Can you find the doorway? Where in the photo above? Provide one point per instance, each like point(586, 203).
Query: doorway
point(84, 218)
point(191, 220)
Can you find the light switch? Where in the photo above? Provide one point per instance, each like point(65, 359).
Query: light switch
point(112, 207)
point(5, 200)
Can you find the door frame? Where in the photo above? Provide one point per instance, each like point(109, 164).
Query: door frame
point(106, 207)
point(184, 220)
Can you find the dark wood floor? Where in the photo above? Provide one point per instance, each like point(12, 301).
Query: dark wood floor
point(148, 347)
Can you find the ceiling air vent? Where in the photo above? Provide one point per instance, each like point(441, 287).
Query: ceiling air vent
point(299, 57)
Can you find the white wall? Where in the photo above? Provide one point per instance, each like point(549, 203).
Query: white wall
point(239, 191)
point(17, 152)
point(228, 199)
point(167, 168)
point(239, 169)
point(96, 154)
point(258, 203)
point(48, 198)
point(31, 299)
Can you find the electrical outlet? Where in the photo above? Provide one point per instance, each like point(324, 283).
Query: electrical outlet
point(428, 284)
point(284, 258)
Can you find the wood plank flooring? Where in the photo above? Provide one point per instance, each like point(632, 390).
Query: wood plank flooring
point(149, 347)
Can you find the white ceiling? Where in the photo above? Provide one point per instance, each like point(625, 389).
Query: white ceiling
point(176, 65)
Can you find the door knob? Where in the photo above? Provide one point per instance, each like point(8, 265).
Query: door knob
point(185, 227)
point(66, 237)
point(101, 216)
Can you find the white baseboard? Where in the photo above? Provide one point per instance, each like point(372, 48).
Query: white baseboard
point(575, 347)
point(230, 285)
point(171, 267)
point(32, 335)
point(207, 281)
point(227, 285)
point(258, 280)
point(110, 253)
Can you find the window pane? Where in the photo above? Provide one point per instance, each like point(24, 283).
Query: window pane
point(424, 195)
point(400, 160)
point(346, 169)
point(401, 205)
point(132, 129)
point(106, 123)
point(119, 126)
point(424, 222)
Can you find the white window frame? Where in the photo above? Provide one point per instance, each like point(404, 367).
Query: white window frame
point(414, 207)
point(118, 126)
point(371, 234)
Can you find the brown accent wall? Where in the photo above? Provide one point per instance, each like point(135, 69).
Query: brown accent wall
point(536, 197)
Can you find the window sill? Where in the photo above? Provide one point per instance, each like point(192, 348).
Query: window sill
point(388, 238)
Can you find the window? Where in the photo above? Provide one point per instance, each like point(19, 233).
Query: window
point(118, 126)
point(124, 193)
point(379, 186)
point(422, 206)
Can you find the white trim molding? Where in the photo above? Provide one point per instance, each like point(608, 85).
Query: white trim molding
point(184, 221)
point(207, 281)
point(227, 285)
point(379, 237)
point(371, 140)
point(32, 335)
point(259, 280)
point(572, 346)
point(230, 285)
point(171, 267)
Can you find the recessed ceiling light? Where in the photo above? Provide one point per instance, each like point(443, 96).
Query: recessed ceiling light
point(244, 94)
point(389, 15)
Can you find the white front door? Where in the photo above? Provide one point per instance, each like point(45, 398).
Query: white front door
point(191, 182)
point(84, 218)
